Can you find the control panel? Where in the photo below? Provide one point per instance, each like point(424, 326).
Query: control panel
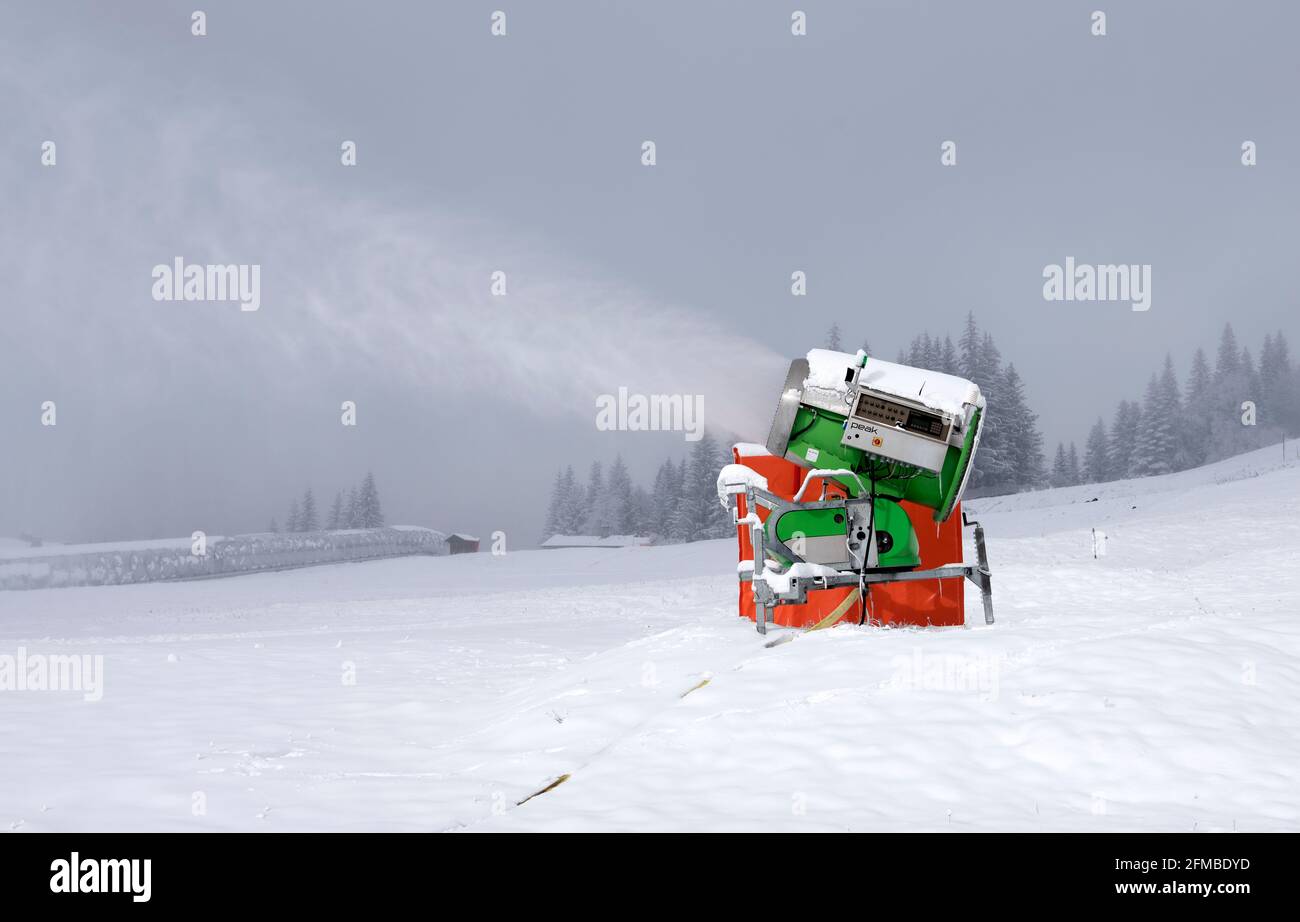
point(887, 428)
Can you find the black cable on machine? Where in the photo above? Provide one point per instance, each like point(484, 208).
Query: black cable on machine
point(863, 589)
point(813, 419)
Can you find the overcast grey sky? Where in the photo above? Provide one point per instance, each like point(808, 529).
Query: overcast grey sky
point(522, 153)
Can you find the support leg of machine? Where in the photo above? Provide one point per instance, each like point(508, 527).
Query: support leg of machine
point(986, 579)
point(759, 563)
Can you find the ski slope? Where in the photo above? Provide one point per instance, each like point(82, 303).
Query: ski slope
point(1153, 688)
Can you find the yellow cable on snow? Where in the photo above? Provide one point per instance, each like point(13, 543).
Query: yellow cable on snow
point(838, 613)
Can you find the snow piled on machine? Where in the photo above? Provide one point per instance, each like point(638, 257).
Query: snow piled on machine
point(732, 480)
point(934, 389)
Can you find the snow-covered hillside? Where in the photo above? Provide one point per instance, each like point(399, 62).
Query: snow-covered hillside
point(1153, 688)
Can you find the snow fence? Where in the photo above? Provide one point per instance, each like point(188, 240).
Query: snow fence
point(144, 562)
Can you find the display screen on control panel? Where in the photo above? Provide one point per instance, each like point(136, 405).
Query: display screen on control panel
point(878, 409)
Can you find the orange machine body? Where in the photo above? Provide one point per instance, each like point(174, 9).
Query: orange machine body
point(933, 602)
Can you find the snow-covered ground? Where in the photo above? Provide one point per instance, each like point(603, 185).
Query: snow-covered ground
point(1153, 688)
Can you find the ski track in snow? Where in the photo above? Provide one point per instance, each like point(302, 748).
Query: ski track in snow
point(1155, 688)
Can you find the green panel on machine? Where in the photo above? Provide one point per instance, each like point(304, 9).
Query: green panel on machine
point(896, 542)
point(816, 439)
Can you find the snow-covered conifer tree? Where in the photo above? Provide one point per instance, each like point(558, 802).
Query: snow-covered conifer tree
point(308, 519)
point(594, 496)
point(1060, 467)
point(616, 510)
point(1096, 460)
point(555, 511)
point(833, 338)
point(372, 513)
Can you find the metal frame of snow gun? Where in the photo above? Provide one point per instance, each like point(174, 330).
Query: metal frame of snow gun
point(766, 598)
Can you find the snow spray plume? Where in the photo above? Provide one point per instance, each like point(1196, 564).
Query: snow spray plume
point(401, 300)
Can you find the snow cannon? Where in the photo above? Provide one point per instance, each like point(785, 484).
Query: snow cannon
point(906, 433)
point(872, 446)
